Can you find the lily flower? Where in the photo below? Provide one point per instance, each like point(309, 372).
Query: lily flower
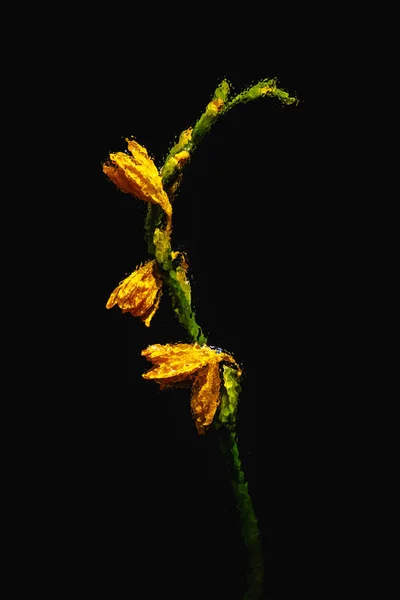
point(177, 364)
point(140, 293)
point(136, 174)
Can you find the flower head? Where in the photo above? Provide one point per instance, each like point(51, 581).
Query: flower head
point(197, 365)
point(140, 293)
point(136, 174)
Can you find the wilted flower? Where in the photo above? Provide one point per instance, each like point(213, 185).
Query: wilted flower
point(194, 364)
point(140, 293)
point(137, 175)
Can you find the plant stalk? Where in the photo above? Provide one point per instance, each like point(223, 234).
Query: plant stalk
point(248, 521)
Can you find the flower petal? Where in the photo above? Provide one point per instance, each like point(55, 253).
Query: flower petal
point(147, 316)
point(206, 396)
point(176, 362)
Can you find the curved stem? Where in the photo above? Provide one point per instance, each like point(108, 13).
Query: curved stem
point(171, 173)
point(248, 520)
point(182, 151)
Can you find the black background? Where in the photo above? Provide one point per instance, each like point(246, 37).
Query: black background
point(139, 503)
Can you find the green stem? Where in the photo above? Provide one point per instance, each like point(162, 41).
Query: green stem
point(171, 174)
point(248, 520)
point(182, 308)
point(189, 139)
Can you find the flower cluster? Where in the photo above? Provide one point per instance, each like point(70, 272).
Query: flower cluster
point(136, 174)
point(139, 294)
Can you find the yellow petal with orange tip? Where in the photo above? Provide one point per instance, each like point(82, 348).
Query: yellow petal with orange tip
point(205, 396)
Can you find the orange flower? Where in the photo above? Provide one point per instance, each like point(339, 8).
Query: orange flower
point(137, 175)
point(140, 293)
point(194, 364)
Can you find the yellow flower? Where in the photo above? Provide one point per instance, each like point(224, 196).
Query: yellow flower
point(137, 175)
point(205, 396)
point(194, 364)
point(140, 293)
